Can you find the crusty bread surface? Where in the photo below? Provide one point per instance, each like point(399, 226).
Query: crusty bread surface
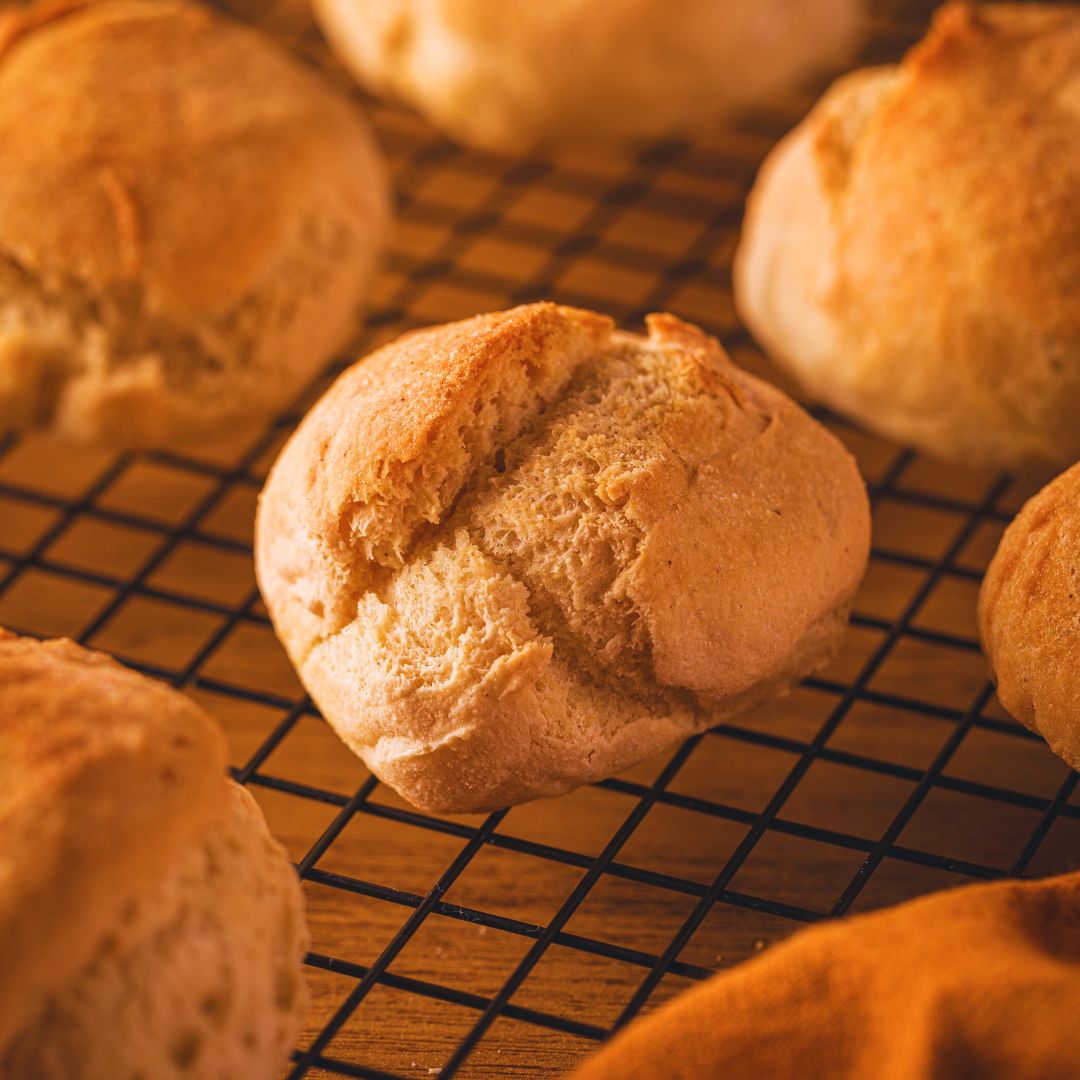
point(151, 926)
point(521, 552)
point(1029, 616)
point(188, 220)
point(911, 251)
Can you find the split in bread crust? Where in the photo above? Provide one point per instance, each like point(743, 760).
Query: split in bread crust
point(151, 926)
point(911, 251)
point(521, 552)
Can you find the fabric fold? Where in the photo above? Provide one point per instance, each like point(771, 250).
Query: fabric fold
point(980, 981)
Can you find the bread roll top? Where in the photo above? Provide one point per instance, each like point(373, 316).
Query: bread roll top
point(516, 552)
point(164, 145)
point(106, 777)
point(189, 218)
point(511, 75)
point(912, 249)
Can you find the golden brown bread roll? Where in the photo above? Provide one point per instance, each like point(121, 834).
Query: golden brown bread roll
point(516, 74)
point(911, 251)
point(150, 925)
point(1029, 616)
point(188, 219)
point(518, 553)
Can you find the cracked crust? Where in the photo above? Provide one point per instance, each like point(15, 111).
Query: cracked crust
point(513, 75)
point(126, 851)
point(911, 251)
point(521, 552)
point(1029, 616)
point(169, 266)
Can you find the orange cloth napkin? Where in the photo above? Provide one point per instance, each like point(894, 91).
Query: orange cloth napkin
point(980, 982)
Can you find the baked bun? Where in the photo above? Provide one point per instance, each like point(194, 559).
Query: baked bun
point(911, 251)
point(1029, 616)
point(188, 218)
point(518, 553)
point(151, 927)
point(516, 74)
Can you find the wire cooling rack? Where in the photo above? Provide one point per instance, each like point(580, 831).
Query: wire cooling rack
point(515, 943)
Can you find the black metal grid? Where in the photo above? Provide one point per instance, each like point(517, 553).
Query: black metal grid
point(688, 192)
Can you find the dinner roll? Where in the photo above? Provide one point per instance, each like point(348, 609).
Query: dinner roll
point(1029, 616)
point(516, 74)
point(150, 926)
point(911, 251)
point(518, 553)
point(188, 218)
